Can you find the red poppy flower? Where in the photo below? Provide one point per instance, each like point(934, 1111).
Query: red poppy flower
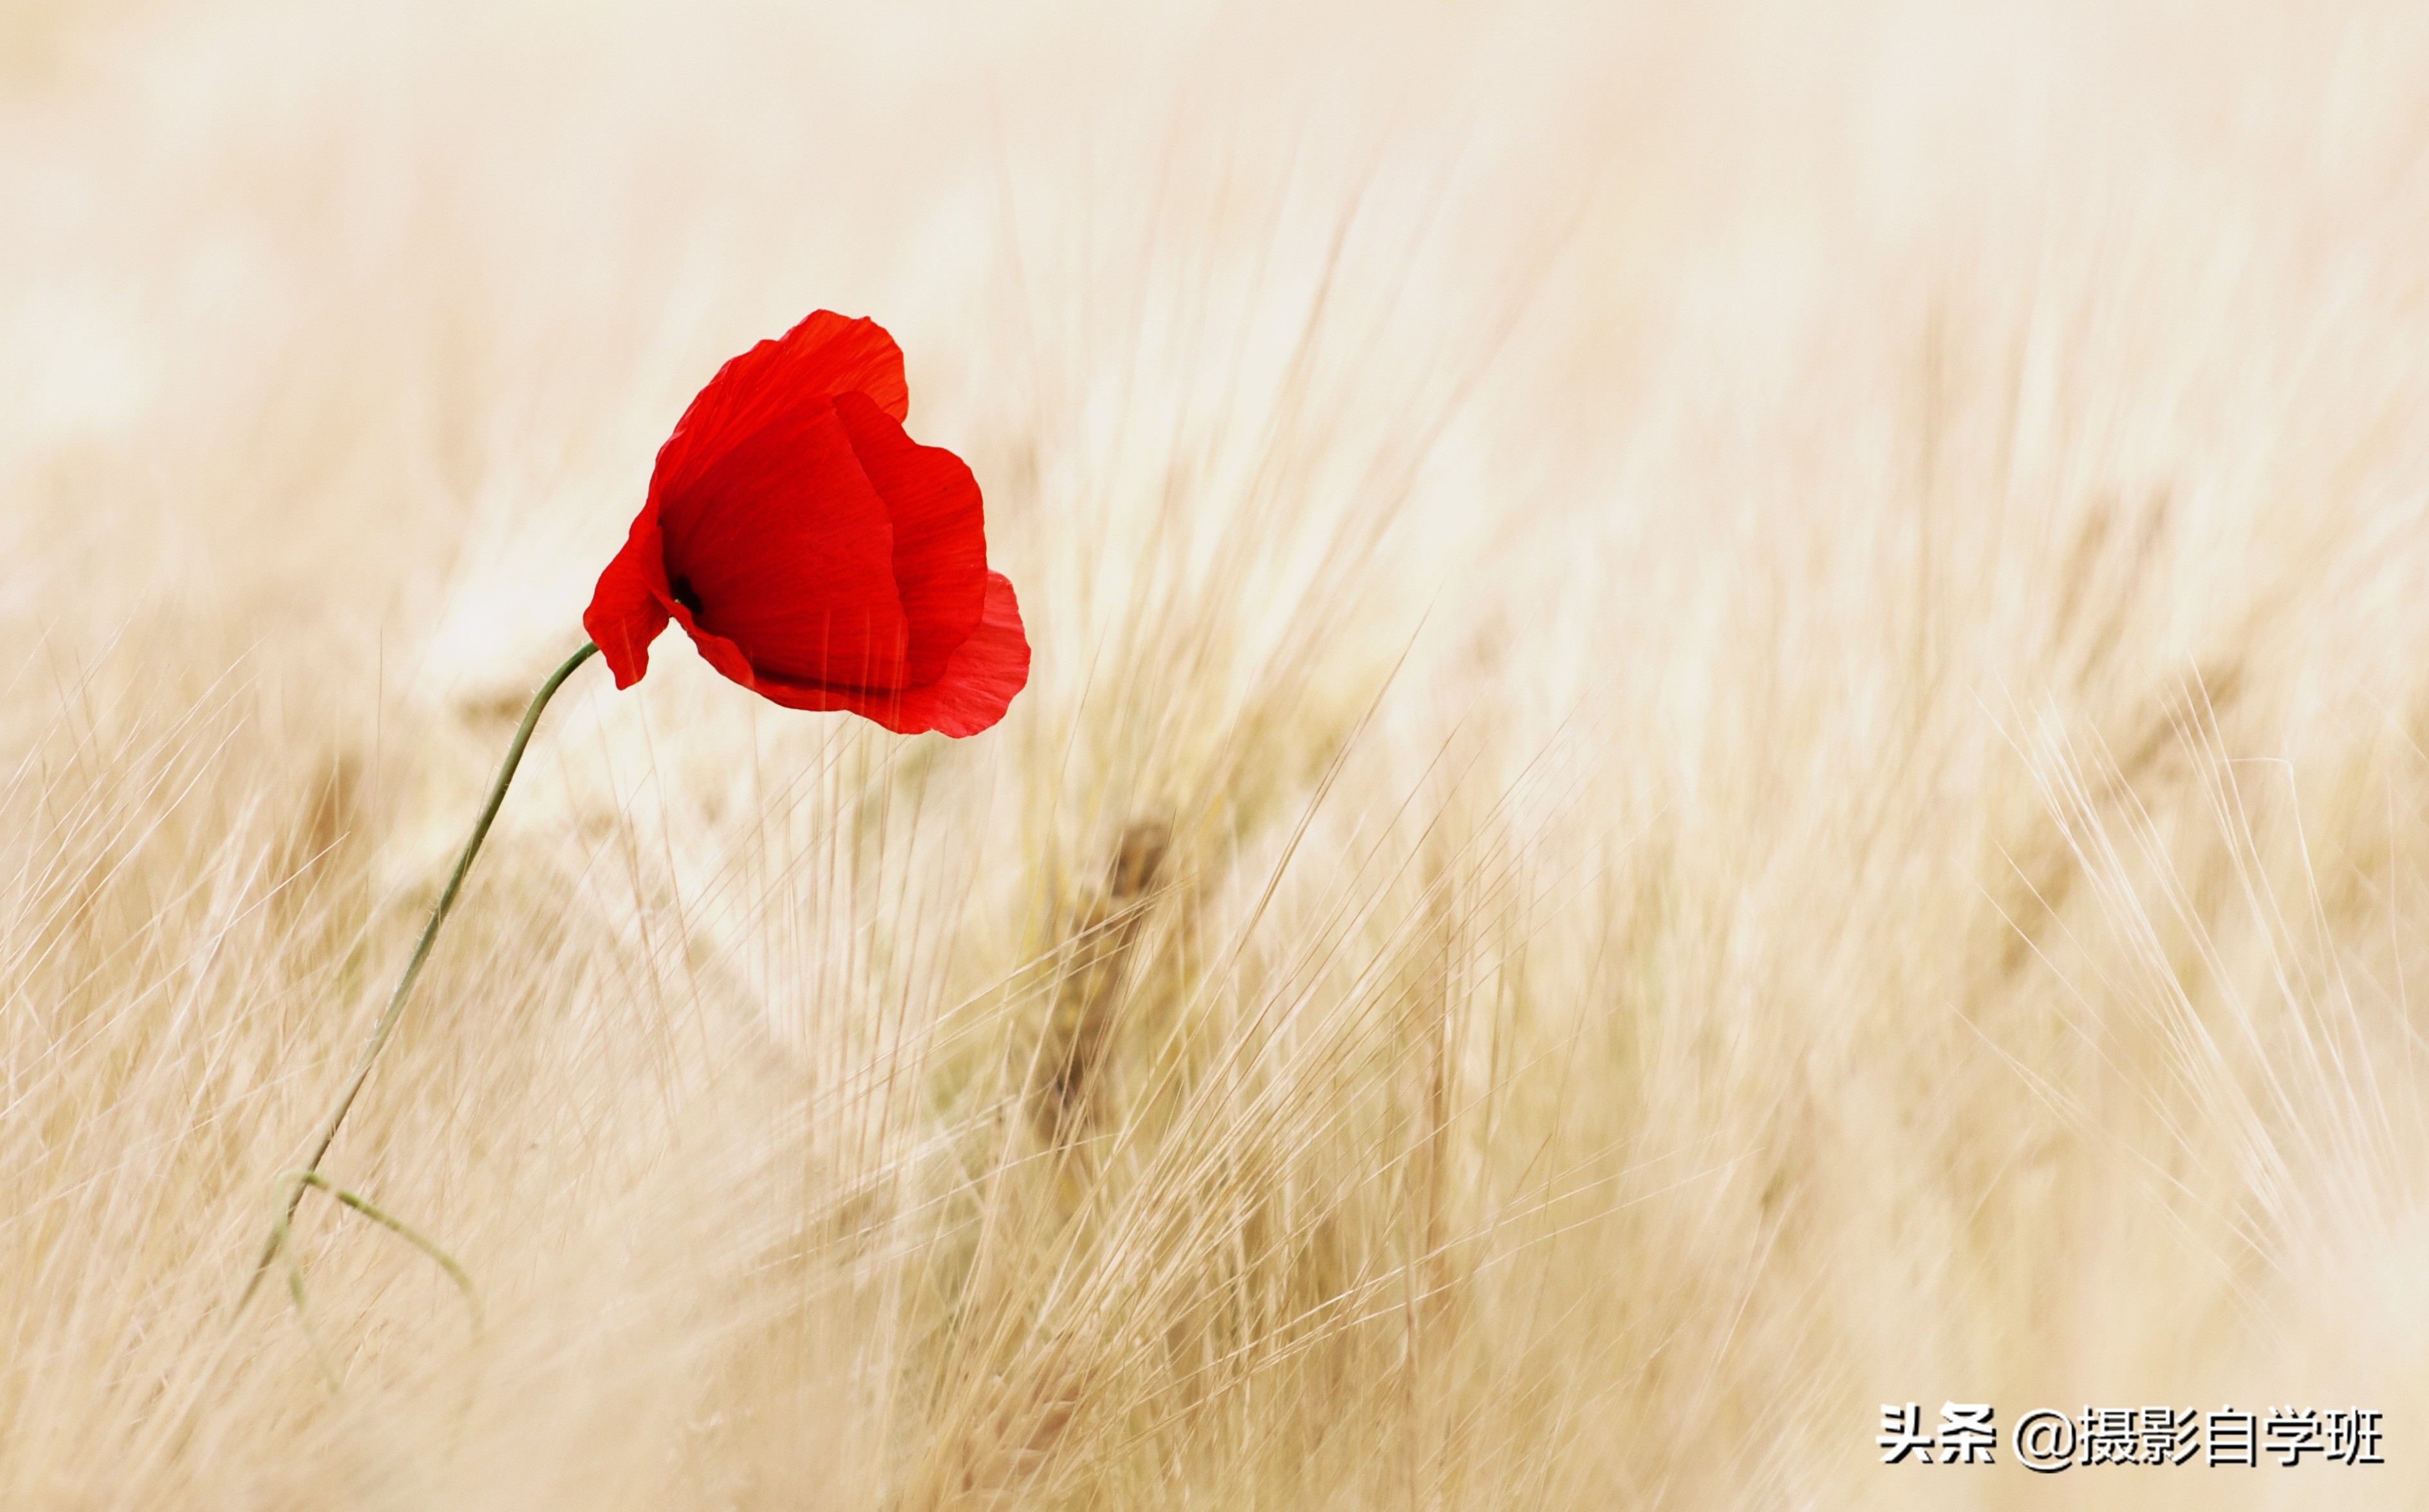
point(813, 552)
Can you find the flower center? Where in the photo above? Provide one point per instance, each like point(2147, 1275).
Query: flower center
point(687, 596)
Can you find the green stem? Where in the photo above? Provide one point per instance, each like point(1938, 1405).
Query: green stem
point(301, 1179)
point(387, 1018)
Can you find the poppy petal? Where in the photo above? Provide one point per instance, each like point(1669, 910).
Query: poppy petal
point(979, 680)
point(628, 609)
point(940, 574)
point(981, 675)
point(783, 548)
point(824, 356)
point(717, 651)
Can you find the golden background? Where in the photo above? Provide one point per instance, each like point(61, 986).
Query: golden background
point(1729, 723)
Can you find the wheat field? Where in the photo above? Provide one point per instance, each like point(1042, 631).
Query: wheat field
point(1730, 725)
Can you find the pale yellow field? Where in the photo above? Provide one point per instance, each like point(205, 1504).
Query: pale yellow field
point(1730, 722)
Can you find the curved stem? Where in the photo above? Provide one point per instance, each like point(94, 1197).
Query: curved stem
point(387, 1018)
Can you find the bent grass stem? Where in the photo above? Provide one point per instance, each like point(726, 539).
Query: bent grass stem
point(297, 1181)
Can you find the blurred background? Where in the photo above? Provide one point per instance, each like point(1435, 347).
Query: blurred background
point(1728, 725)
